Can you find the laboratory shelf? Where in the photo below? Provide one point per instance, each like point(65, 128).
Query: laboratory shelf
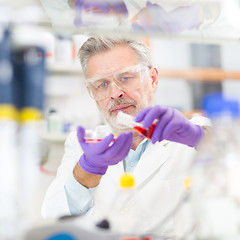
point(54, 137)
point(64, 68)
point(191, 74)
point(126, 31)
point(199, 74)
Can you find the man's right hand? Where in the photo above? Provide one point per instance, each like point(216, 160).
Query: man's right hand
point(98, 156)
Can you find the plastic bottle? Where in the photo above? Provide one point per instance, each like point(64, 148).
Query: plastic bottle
point(145, 132)
point(8, 172)
point(118, 215)
point(64, 49)
point(8, 144)
point(29, 73)
point(55, 122)
point(216, 174)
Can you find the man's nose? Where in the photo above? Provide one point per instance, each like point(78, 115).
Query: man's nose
point(116, 91)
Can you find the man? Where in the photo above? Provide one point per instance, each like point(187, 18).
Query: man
point(120, 77)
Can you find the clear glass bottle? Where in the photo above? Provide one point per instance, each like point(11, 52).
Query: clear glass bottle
point(120, 219)
point(215, 195)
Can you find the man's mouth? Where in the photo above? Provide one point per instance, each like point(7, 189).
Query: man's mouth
point(119, 108)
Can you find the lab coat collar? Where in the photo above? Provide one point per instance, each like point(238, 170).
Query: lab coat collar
point(153, 157)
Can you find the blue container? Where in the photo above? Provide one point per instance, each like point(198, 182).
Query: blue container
point(29, 74)
point(6, 70)
point(215, 105)
point(61, 236)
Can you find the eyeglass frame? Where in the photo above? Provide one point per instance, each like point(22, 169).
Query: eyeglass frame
point(138, 68)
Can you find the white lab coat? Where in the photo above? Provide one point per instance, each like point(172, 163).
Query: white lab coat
point(159, 177)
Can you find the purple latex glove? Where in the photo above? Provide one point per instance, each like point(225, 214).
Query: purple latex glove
point(98, 7)
point(172, 125)
point(78, 8)
point(98, 156)
point(109, 7)
point(155, 18)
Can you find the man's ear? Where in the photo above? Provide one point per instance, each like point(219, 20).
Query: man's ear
point(154, 77)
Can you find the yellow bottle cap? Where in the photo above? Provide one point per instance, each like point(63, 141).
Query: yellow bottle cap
point(127, 180)
point(187, 183)
point(8, 111)
point(30, 114)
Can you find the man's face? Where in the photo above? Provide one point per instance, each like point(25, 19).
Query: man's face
point(127, 101)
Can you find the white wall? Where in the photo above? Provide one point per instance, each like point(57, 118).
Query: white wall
point(173, 54)
point(231, 62)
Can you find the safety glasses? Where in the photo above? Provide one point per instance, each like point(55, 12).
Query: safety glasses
point(127, 79)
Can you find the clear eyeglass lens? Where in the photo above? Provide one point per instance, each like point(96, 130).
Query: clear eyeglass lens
point(127, 80)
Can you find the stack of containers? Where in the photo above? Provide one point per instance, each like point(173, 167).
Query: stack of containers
point(8, 142)
point(29, 75)
point(22, 74)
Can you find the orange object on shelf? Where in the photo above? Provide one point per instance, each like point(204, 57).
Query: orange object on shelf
point(200, 74)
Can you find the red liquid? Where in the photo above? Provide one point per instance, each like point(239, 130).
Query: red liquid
point(146, 132)
point(92, 140)
point(95, 140)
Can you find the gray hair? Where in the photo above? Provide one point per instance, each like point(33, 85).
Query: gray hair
point(95, 45)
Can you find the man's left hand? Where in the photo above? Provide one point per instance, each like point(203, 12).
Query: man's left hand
point(171, 125)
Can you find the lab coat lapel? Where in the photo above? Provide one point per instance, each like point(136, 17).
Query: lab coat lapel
point(152, 159)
